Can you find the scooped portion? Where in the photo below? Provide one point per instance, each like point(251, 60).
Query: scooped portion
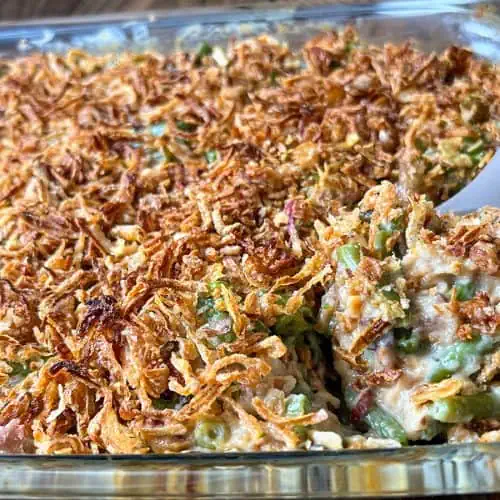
point(414, 313)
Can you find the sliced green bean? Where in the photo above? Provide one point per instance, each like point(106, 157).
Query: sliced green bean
point(295, 324)
point(204, 50)
point(211, 433)
point(385, 425)
point(216, 320)
point(297, 405)
point(211, 156)
point(474, 148)
point(19, 369)
point(407, 341)
point(391, 295)
point(186, 126)
point(381, 422)
point(420, 144)
point(258, 326)
point(465, 289)
point(223, 338)
point(349, 255)
point(385, 231)
point(463, 356)
point(460, 409)
point(380, 243)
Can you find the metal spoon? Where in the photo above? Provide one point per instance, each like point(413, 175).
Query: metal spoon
point(482, 191)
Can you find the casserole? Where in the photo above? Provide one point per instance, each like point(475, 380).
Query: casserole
point(135, 35)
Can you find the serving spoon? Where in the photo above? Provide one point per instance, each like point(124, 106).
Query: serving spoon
point(483, 191)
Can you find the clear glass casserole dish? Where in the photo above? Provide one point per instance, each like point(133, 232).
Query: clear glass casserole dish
point(416, 470)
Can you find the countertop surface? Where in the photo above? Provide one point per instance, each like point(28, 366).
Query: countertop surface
point(29, 9)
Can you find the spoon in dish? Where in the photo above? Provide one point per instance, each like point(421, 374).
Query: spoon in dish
point(483, 191)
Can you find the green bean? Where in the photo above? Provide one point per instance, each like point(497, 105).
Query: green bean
point(223, 338)
point(205, 306)
point(465, 289)
point(380, 243)
point(391, 295)
point(474, 148)
point(19, 369)
point(349, 255)
point(385, 231)
point(162, 404)
point(385, 425)
point(216, 284)
point(432, 429)
point(302, 387)
point(204, 50)
point(183, 142)
point(420, 144)
point(460, 409)
point(211, 156)
point(301, 431)
point(169, 156)
point(258, 326)
point(295, 324)
point(211, 433)
point(171, 400)
point(349, 46)
point(459, 356)
point(216, 320)
point(186, 126)
point(297, 405)
point(282, 298)
point(407, 341)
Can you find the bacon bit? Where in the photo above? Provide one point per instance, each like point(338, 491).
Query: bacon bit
point(485, 425)
point(485, 256)
point(383, 377)
point(465, 332)
point(362, 406)
point(462, 240)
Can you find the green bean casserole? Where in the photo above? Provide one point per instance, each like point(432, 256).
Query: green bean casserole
point(236, 249)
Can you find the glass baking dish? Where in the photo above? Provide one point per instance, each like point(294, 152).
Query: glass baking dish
point(416, 470)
